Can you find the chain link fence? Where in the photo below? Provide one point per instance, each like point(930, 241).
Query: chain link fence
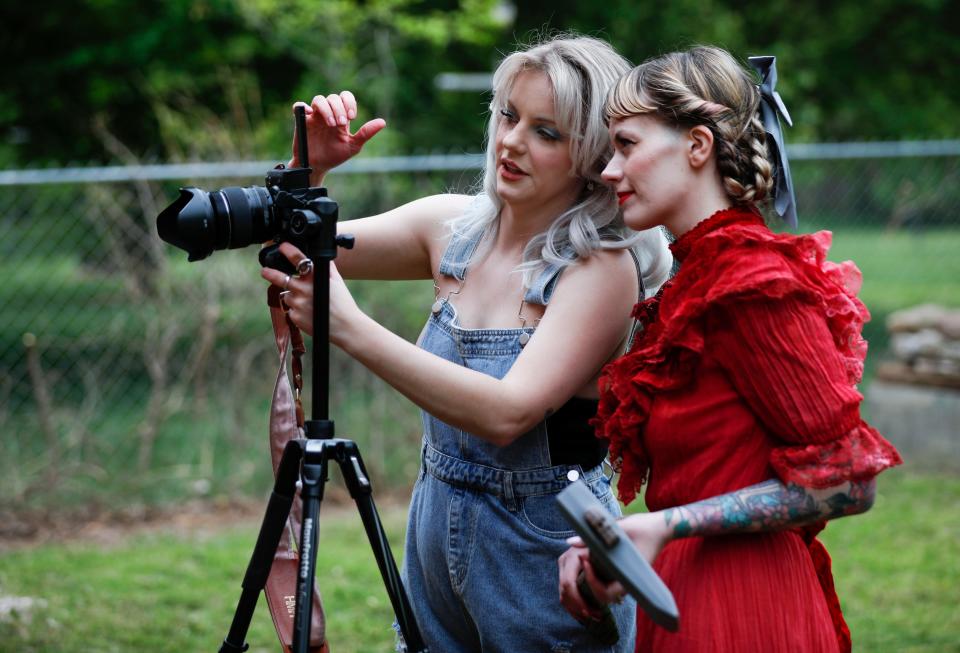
point(127, 372)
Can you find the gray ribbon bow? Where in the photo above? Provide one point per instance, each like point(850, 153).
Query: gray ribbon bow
point(771, 106)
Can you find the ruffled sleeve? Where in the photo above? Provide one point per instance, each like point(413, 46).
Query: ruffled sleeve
point(784, 360)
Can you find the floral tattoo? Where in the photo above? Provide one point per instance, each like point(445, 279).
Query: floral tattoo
point(767, 506)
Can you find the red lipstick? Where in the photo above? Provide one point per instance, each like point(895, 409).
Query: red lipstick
point(510, 170)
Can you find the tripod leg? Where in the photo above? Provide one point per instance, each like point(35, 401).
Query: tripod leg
point(313, 475)
point(258, 569)
point(351, 465)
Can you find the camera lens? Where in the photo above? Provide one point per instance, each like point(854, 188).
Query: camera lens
point(199, 222)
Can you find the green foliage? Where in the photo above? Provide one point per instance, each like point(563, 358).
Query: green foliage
point(78, 60)
point(883, 69)
point(148, 378)
point(388, 52)
point(160, 74)
point(213, 443)
point(849, 71)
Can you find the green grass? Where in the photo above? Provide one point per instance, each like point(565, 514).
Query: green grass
point(900, 269)
point(177, 592)
point(897, 569)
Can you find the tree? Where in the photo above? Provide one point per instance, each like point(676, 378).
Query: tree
point(122, 60)
point(850, 70)
point(881, 69)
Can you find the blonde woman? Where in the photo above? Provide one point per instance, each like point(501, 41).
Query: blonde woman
point(737, 404)
point(535, 277)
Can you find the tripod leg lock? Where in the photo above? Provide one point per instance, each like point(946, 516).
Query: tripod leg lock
point(360, 483)
point(227, 647)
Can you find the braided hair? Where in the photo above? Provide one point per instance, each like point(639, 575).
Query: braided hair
point(705, 86)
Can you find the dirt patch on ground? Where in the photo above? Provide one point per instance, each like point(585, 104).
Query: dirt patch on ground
point(19, 529)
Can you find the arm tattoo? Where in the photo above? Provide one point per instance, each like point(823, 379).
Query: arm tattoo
point(768, 506)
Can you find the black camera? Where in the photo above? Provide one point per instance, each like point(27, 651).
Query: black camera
point(285, 209)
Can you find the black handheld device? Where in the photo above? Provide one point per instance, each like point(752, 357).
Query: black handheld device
point(614, 556)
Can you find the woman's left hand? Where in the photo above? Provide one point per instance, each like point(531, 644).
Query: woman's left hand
point(647, 531)
point(575, 560)
point(297, 295)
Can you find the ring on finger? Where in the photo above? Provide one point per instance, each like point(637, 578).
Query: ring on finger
point(304, 267)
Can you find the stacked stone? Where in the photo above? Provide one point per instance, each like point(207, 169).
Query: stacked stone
point(925, 344)
point(914, 398)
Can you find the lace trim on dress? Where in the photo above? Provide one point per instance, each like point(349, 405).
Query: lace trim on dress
point(859, 455)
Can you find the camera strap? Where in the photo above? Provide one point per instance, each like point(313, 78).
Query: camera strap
point(286, 423)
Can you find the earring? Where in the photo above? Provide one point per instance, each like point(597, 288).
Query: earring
point(590, 186)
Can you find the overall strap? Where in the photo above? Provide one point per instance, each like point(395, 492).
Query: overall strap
point(641, 289)
point(541, 290)
point(642, 293)
point(455, 257)
point(543, 286)
point(461, 247)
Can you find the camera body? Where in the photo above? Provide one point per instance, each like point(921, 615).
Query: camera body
point(285, 209)
point(306, 218)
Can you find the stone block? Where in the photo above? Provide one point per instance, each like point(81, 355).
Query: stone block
point(923, 422)
point(925, 316)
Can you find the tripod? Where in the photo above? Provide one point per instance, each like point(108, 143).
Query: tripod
point(307, 460)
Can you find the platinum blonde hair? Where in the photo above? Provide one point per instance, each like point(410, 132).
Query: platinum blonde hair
point(705, 85)
point(581, 70)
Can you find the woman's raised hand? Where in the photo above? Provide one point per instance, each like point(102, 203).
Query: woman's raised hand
point(329, 140)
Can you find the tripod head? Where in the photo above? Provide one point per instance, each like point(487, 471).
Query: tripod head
point(311, 216)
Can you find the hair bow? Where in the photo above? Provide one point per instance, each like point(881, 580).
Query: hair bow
point(771, 107)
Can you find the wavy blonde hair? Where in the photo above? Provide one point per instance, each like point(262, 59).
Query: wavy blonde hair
point(581, 71)
point(706, 86)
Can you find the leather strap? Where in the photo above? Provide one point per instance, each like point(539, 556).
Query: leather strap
point(286, 423)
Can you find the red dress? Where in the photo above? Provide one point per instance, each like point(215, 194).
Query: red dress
point(745, 371)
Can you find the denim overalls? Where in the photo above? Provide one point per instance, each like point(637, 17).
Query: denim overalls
point(484, 531)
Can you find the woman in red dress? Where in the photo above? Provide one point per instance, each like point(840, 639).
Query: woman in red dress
point(737, 404)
